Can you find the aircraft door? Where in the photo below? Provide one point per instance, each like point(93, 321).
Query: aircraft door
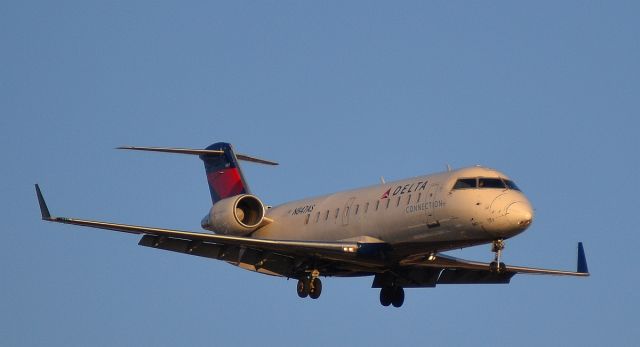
point(346, 211)
point(433, 203)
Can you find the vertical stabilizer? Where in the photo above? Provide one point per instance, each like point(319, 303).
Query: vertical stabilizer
point(223, 173)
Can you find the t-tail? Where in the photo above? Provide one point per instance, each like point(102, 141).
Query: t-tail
point(224, 175)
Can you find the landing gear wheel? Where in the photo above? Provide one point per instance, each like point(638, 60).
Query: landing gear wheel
point(502, 268)
point(398, 297)
point(303, 287)
point(316, 288)
point(386, 294)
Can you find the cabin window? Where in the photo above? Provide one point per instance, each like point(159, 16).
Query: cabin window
point(409, 199)
point(346, 210)
point(357, 208)
point(326, 215)
point(388, 201)
point(377, 204)
point(491, 183)
point(366, 207)
point(419, 196)
point(465, 183)
point(337, 212)
point(306, 219)
point(317, 217)
point(398, 202)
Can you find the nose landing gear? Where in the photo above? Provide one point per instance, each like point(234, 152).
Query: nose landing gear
point(310, 285)
point(496, 265)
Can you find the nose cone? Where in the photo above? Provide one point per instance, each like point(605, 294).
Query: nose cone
point(520, 215)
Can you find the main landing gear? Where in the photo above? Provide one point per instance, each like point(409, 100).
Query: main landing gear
point(310, 285)
point(391, 295)
point(496, 265)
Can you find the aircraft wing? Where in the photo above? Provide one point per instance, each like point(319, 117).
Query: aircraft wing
point(446, 262)
point(234, 248)
point(429, 270)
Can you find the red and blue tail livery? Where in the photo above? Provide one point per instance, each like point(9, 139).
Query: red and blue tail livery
point(223, 172)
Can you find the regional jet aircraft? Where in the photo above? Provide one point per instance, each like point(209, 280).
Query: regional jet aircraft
point(395, 232)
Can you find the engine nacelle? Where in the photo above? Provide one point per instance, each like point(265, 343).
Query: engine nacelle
point(237, 215)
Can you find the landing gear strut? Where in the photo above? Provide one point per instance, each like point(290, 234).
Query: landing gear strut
point(310, 285)
point(496, 265)
point(391, 295)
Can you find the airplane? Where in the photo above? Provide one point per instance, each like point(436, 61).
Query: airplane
point(395, 232)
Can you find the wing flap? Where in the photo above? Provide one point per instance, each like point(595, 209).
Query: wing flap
point(273, 263)
point(464, 276)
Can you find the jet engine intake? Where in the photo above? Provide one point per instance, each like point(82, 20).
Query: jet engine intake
point(238, 215)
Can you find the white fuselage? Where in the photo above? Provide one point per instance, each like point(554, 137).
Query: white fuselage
point(420, 209)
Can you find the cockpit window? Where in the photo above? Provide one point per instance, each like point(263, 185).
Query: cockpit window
point(485, 183)
point(465, 183)
point(491, 183)
point(511, 185)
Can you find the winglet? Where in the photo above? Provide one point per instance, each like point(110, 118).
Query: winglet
point(582, 260)
point(44, 210)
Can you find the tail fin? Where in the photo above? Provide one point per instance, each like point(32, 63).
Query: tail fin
point(221, 164)
point(223, 173)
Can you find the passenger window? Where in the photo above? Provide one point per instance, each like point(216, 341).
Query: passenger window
point(317, 217)
point(388, 201)
point(346, 211)
point(337, 212)
point(398, 202)
point(357, 208)
point(326, 215)
point(491, 183)
point(377, 204)
point(306, 219)
point(419, 196)
point(465, 183)
point(409, 199)
point(366, 207)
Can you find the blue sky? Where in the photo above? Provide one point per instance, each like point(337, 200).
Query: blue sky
point(340, 94)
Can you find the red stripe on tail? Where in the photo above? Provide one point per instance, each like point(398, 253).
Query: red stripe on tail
point(226, 182)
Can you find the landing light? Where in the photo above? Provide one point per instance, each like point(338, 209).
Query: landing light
point(431, 257)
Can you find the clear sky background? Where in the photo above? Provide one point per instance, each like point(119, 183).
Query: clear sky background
point(340, 94)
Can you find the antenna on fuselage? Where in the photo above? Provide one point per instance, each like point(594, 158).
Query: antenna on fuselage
point(382, 180)
point(449, 169)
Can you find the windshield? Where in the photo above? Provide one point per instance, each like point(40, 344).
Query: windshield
point(511, 185)
point(491, 183)
point(485, 183)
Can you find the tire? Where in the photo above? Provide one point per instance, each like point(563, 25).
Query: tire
point(493, 267)
point(303, 288)
point(398, 297)
point(385, 296)
point(502, 268)
point(316, 288)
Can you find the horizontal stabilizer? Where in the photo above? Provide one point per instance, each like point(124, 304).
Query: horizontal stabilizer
point(211, 152)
